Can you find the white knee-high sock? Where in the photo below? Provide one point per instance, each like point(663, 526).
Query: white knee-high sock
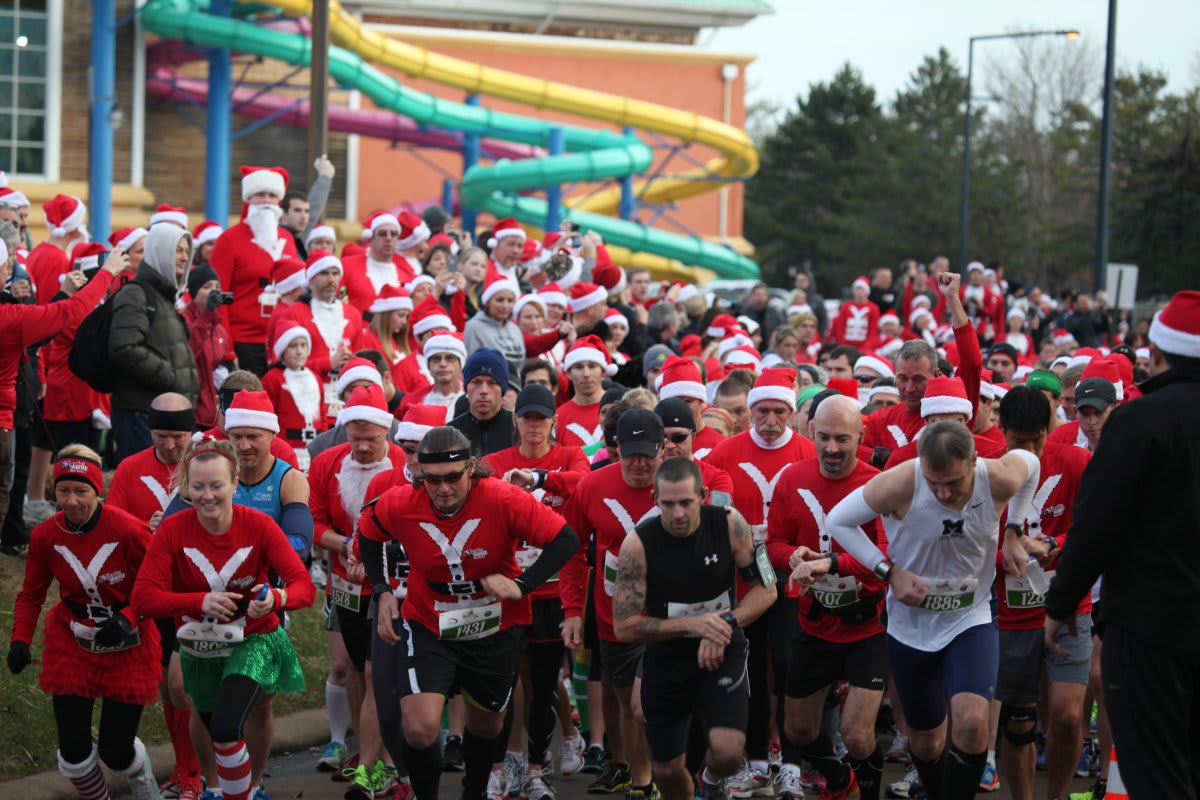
point(338, 708)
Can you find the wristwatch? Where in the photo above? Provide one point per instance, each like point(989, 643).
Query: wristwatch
point(731, 619)
point(833, 563)
point(883, 570)
point(1051, 542)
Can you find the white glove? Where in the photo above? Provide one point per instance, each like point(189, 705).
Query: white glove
point(219, 376)
point(100, 420)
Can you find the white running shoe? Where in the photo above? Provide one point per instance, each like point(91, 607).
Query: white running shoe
point(36, 512)
point(749, 783)
point(907, 786)
point(898, 753)
point(495, 786)
point(515, 767)
point(571, 760)
point(787, 783)
point(537, 788)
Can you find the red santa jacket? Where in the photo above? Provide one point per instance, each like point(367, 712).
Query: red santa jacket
point(245, 269)
point(319, 357)
point(359, 289)
point(142, 485)
point(856, 325)
point(298, 406)
point(68, 398)
point(212, 346)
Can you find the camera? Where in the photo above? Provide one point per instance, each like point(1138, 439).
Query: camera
point(90, 265)
point(218, 299)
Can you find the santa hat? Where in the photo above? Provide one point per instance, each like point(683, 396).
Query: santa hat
point(1022, 371)
point(1062, 337)
point(734, 338)
point(533, 255)
point(87, 255)
point(207, 231)
point(413, 230)
point(878, 364)
point(949, 351)
point(689, 345)
point(13, 199)
point(720, 325)
point(890, 348)
point(589, 349)
point(251, 410)
point(352, 249)
point(1176, 328)
point(1142, 352)
point(1016, 313)
point(412, 285)
point(505, 228)
point(750, 326)
point(921, 301)
point(1000, 389)
point(945, 396)
point(391, 298)
point(875, 391)
point(289, 336)
point(986, 390)
point(888, 316)
point(1062, 361)
point(586, 295)
point(974, 266)
point(686, 293)
point(775, 383)
point(554, 241)
point(263, 179)
point(552, 295)
point(1083, 356)
point(844, 386)
point(127, 237)
point(496, 285)
point(64, 213)
point(169, 213)
point(366, 404)
point(357, 369)
point(320, 232)
point(802, 308)
point(943, 334)
point(377, 219)
point(861, 282)
point(916, 314)
point(319, 261)
point(525, 300)
point(611, 277)
point(743, 357)
point(615, 317)
point(446, 342)
point(1109, 370)
point(288, 275)
point(419, 419)
point(442, 240)
point(680, 377)
point(429, 316)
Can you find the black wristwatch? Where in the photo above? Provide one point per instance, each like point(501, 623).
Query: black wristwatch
point(883, 570)
point(381, 588)
point(1051, 542)
point(731, 619)
point(833, 563)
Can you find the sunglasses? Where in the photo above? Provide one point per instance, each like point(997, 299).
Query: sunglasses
point(677, 438)
point(388, 234)
point(865, 378)
point(438, 480)
point(409, 449)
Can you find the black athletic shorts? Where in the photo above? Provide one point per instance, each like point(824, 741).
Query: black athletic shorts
point(547, 621)
point(621, 661)
point(484, 671)
point(356, 633)
point(816, 663)
point(674, 687)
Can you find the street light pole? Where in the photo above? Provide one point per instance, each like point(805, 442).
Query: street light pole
point(1105, 151)
point(964, 201)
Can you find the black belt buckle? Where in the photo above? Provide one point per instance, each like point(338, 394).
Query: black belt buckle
point(308, 434)
point(97, 612)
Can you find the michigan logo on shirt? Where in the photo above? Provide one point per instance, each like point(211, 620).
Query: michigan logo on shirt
point(952, 529)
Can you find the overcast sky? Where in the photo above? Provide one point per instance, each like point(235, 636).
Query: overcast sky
point(805, 41)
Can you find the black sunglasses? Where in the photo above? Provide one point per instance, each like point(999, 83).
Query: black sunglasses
point(865, 378)
point(677, 438)
point(438, 480)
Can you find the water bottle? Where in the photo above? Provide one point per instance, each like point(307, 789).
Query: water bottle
point(1036, 576)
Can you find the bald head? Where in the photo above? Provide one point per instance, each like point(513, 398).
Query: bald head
point(837, 432)
point(170, 401)
point(171, 420)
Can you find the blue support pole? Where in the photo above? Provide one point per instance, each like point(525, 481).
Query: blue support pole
point(448, 196)
point(628, 205)
point(219, 139)
point(470, 159)
point(558, 144)
point(100, 141)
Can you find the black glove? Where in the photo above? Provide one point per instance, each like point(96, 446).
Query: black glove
point(879, 457)
point(18, 657)
point(114, 631)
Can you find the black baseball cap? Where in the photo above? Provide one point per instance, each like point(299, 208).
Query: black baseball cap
point(1003, 349)
point(535, 399)
point(674, 413)
point(1095, 392)
point(639, 433)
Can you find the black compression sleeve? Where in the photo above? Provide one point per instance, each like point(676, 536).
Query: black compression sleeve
point(554, 556)
point(372, 560)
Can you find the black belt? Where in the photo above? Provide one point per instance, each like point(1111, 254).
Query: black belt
point(457, 587)
point(303, 434)
point(93, 612)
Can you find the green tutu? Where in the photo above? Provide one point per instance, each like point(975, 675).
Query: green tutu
point(266, 658)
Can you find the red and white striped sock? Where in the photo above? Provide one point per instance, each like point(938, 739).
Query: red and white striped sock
point(233, 770)
point(87, 777)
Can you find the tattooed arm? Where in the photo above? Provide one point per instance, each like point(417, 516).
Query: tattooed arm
point(629, 601)
point(741, 544)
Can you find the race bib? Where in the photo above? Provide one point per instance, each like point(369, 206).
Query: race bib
point(610, 573)
point(210, 639)
point(88, 642)
point(469, 623)
point(1019, 594)
point(346, 594)
point(950, 595)
point(681, 610)
point(833, 591)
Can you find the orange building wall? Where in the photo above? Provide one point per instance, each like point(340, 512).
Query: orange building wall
point(388, 175)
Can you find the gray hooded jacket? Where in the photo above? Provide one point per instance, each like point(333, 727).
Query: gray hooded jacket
point(149, 349)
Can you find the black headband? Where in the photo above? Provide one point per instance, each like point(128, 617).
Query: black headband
point(448, 457)
point(184, 420)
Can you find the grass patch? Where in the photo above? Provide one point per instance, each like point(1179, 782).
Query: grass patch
point(28, 739)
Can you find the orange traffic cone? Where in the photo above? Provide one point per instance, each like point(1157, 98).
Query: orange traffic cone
point(1116, 786)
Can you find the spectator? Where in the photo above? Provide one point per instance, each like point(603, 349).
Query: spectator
point(881, 293)
point(209, 339)
point(756, 305)
point(64, 217)
point(493, 326)
point(1086, 321)
point(148, 343)
point(663, 326)
point(18, 291)
point(204, 238)
point(804, 282)
point(301, 212)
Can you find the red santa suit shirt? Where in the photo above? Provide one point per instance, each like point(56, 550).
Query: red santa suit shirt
point(755, 470)
point(68, 397)
point(299, 400)
point(356, 278)
point(984, 448)
point(245, 269)
point(142, 485)
point(1068, 434)
point(705, 441)
point(856, 324)
point(326, 332)
point(578, 425)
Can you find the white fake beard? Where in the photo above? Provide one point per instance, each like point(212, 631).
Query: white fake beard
point(263, 219)
point(353, 480)
point(305, 391)
point(330, 319)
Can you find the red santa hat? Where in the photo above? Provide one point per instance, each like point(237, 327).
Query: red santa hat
point(207, 231)
point(352, 249)
point(533, 256)
point(887, 317)
point(554, 241)
point(319, 261)
point(1176, 328)
point(916, 314)
point(802, 308)
point(391, 298)
point(974, 266)
point(357, 369)
point(680, 377)
point(127, 237)
point(986, 390)
point(413, 230)
point(1143, 352)
point(720, 325)
point(288, 275)
point(428, 315)
point(552, 295)
point(748, 325)
point(289, 336)
point(945, 395)
point(525, 300)
point(861, 282)
point(1083, 356)
point(505, 228)
point(412, 285)
point(442, 240)
point(875, 391)
point(1001, 389)
point(713, 370)
point(499, 284)
point(775, 383)
point(686, 293)
point(367, 404)
point(743, 357)
point(878, 364)
point(586, 295)
point(13, 199)
point(446, 342)
point(844, 386)
point(376, 220)
point(263, 179)
point(611, 277)
point(251, 410)
point(589, 349)
point(321, 232)
point(614, 317)
point(1062, 337)
point(689, 345)
point(734, 338)
point(1109, 370)
point(64, 213)
point(419, 419)
point(165, 212)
